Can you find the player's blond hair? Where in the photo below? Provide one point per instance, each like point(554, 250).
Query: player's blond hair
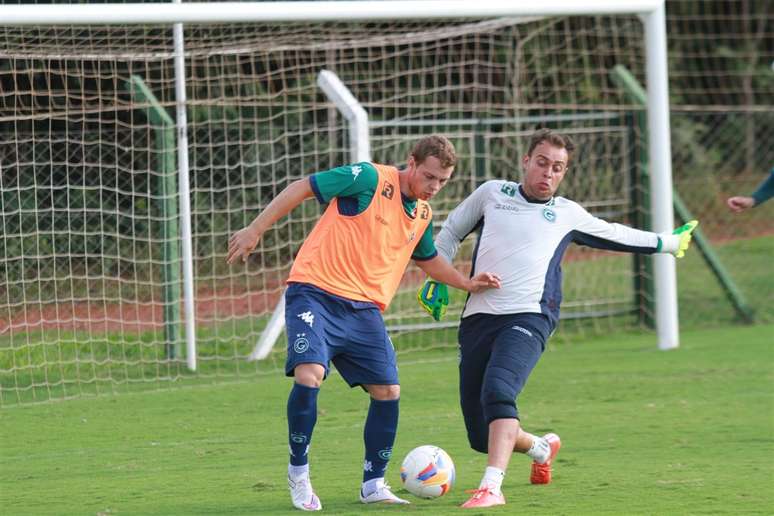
point(437, 146)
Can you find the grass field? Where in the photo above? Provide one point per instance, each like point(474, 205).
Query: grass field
point(689, 431)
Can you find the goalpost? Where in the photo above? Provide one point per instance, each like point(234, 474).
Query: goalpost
point(86, 160)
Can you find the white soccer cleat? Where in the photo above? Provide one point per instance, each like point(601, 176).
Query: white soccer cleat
point(382, 495)
point(302, 494)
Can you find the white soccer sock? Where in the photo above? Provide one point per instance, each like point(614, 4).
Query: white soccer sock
point(540, 450)
point(298, 471)
point(493, 479)
point(370, 486)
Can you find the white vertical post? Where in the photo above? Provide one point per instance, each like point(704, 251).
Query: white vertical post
point(660, 153)
point(185, 197)
point(271, 333)
point(347, 104)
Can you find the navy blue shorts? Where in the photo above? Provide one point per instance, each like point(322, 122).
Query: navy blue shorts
point(497, 355)
point(324, 328)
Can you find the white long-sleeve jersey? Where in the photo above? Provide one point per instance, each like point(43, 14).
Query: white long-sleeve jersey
point(523, 242)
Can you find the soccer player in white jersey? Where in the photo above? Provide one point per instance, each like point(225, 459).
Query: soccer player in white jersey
point(523, 233)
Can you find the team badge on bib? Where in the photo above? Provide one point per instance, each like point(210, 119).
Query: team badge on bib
point(549, 214)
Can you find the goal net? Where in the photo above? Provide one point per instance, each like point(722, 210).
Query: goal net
point(89, 246)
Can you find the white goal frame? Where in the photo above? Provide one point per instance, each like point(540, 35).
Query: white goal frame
point(651, 12)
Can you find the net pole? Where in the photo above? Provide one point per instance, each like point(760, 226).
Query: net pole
point(347, 104)
point(185, 198)
point(660, 154)
point(163, 127)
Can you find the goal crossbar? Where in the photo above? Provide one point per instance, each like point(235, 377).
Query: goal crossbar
point(309, 11)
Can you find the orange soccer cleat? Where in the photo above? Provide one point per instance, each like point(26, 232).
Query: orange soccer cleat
point(541, 473)
point(483, 497)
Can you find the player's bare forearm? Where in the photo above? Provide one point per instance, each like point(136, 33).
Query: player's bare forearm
point(242, 243)
point(442, 271)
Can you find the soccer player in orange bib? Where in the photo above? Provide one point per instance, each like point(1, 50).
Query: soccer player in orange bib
point(344, 276)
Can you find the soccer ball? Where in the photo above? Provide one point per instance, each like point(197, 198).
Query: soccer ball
point(427, 472)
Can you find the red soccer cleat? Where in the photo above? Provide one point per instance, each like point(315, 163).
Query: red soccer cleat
point(483, 497)
point(541, 473)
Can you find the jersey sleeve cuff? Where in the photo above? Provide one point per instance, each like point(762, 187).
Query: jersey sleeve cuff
point(668, 243)
point(424, 258)
point(758, 198)
point(316, 190)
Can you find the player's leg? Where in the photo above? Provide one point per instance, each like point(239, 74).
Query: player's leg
point(476, 337)
point(307, 359)
point(302, 414)
point(516, 353)
point(379, 433)
point(516, 347)
point(369, 361)
point(302, 417)
point(475, 343)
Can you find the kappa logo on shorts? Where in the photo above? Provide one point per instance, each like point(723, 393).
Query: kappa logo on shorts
point(522, 330)
point(307, 317)
point(301, 344)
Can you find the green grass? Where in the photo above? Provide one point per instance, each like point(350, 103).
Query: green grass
point(689, 431)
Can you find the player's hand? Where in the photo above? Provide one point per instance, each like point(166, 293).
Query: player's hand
point(434, 297)
point(484, 281)
point(242, 243)
point(684, 232)
point(740, 203)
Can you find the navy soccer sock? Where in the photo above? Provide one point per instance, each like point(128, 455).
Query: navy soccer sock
point(302, 416)
point(379, 436)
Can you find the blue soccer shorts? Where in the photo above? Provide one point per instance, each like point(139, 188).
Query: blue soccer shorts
point(324, 328)
point(497, 355)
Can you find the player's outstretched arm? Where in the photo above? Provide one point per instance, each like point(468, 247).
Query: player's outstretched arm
point(444, 272)
point(433, 295)
point(242, 243)
point(679, 241)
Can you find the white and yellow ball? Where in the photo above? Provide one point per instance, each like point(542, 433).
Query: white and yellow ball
point(427, 472)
